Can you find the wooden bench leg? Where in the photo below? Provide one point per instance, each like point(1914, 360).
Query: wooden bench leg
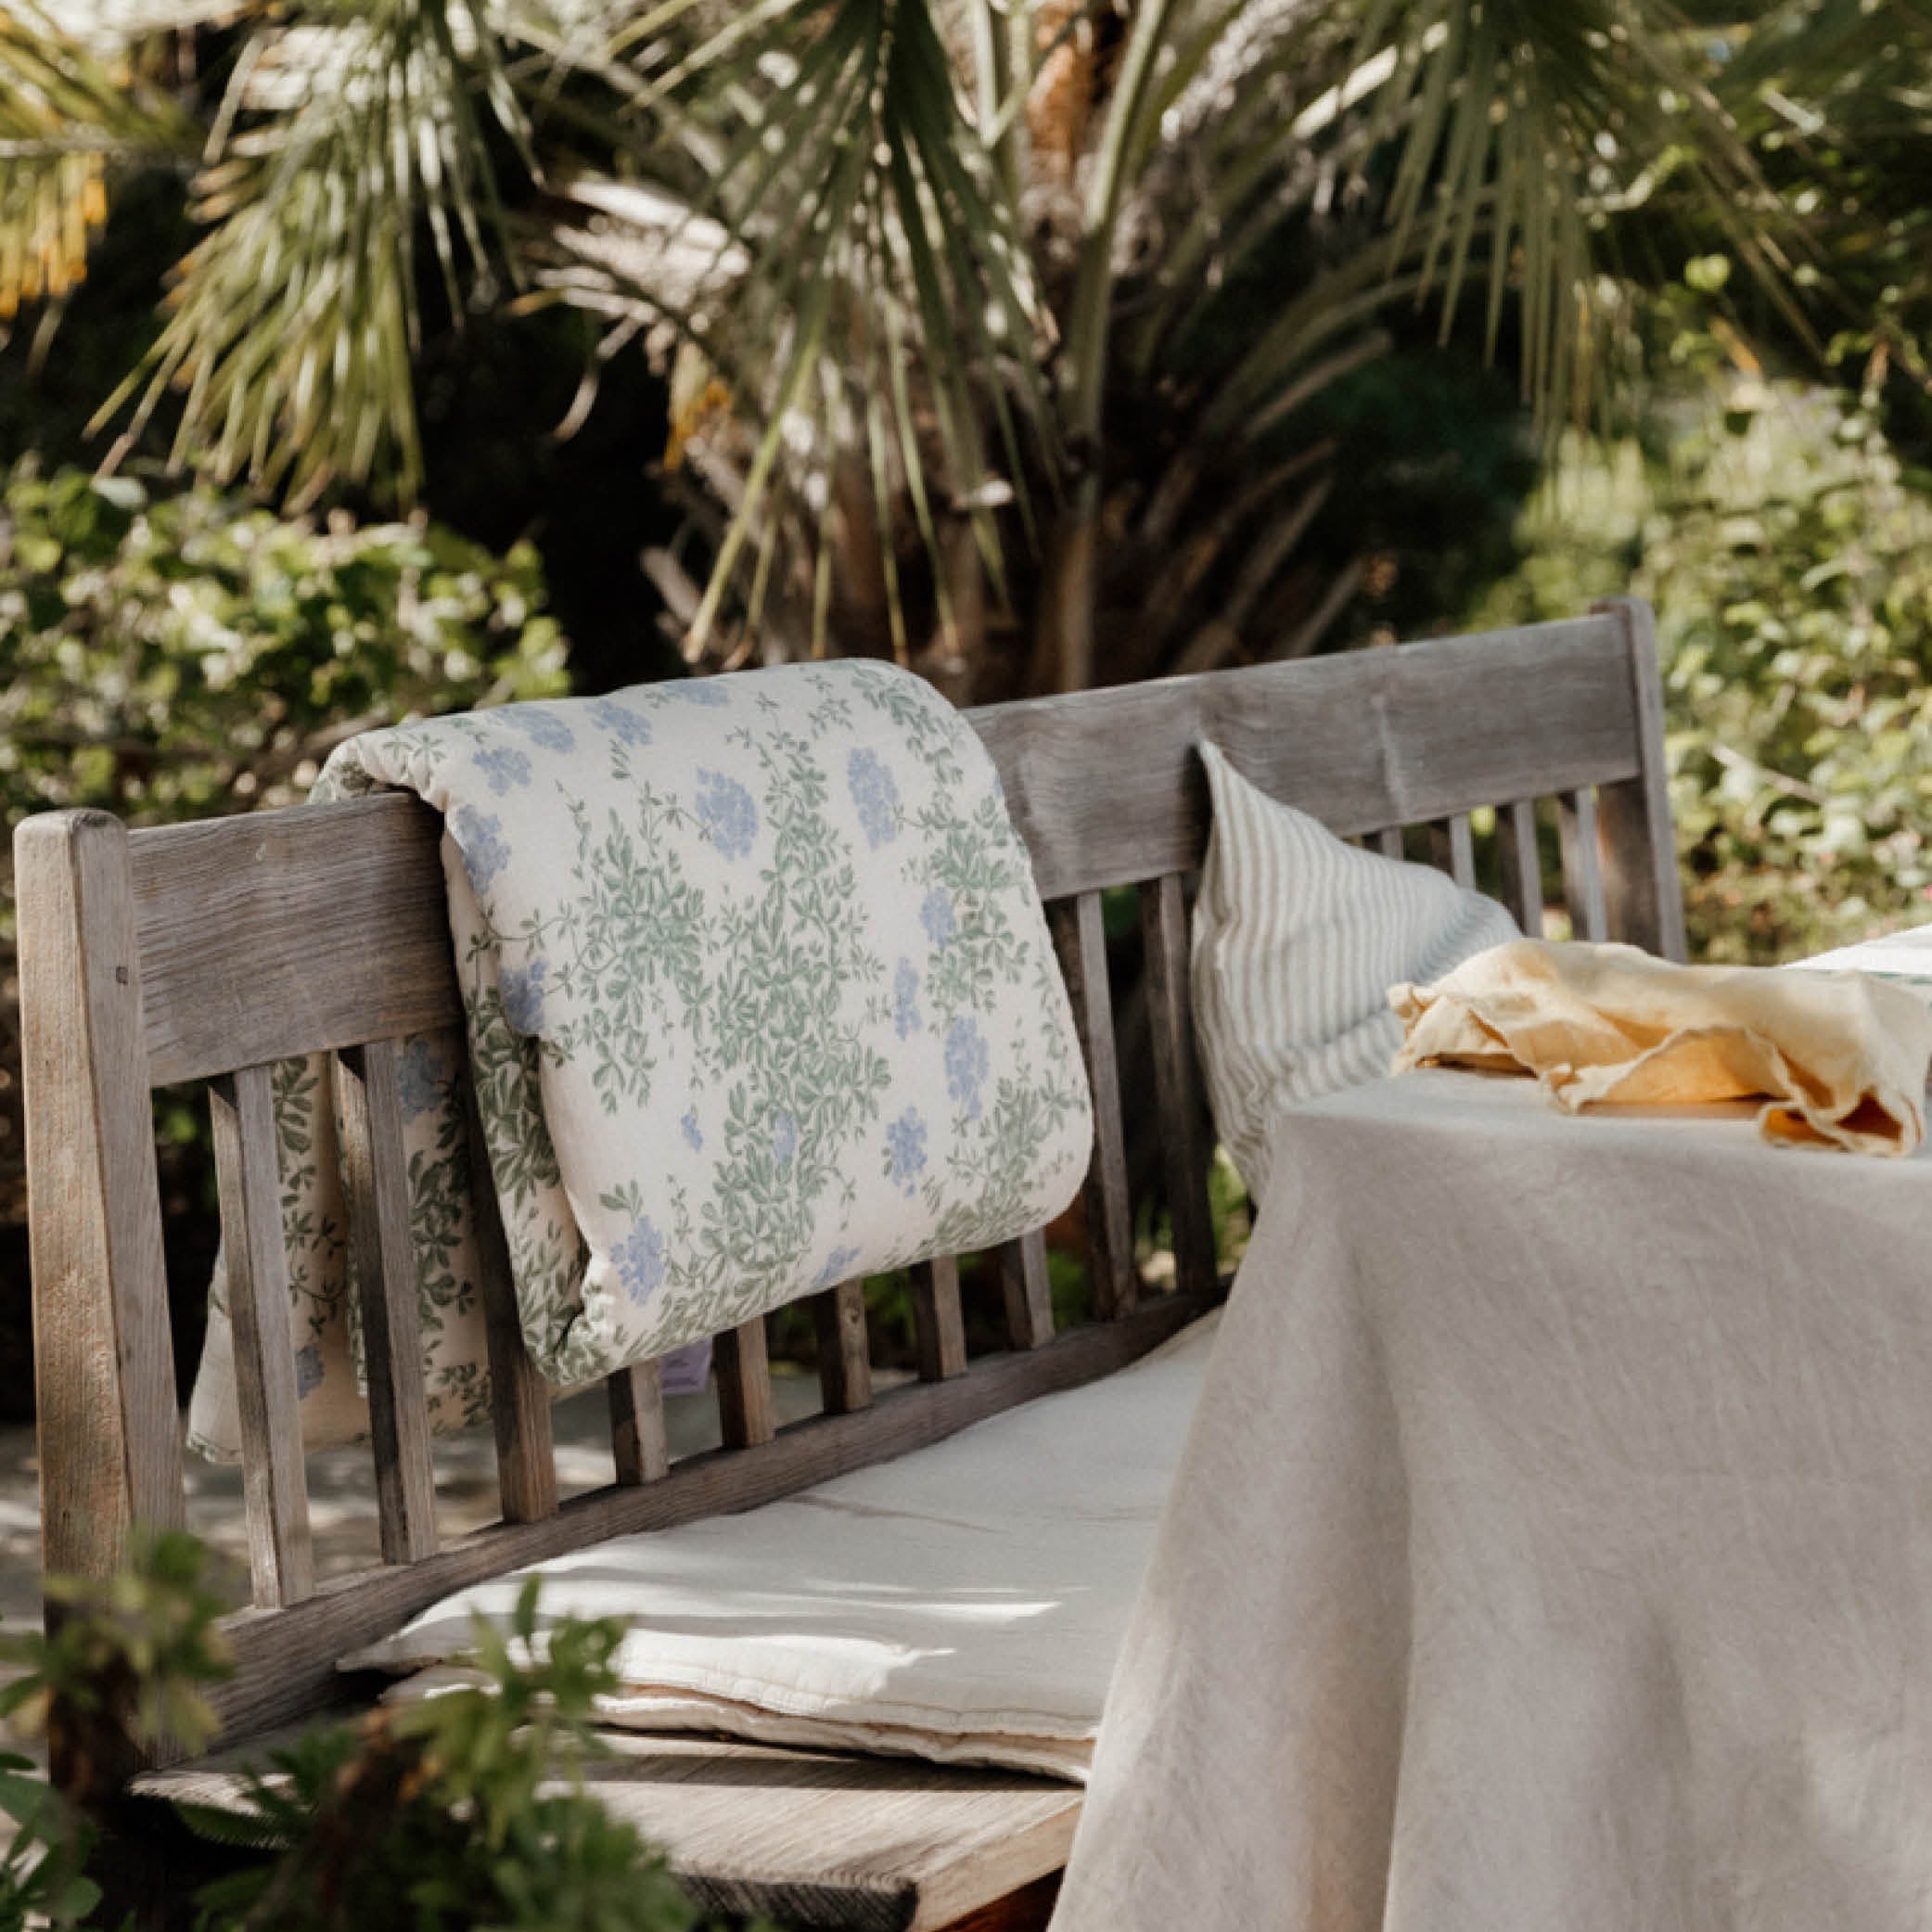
point(1027, 1909)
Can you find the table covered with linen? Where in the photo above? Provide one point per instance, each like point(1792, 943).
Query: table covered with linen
point(1553, 1546)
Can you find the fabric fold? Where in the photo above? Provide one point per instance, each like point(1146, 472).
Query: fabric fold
point(1548, 1553)
point(1840, 1058)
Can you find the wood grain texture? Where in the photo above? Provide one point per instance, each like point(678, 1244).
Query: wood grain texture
point(808, 1837)
point(1080, 936)
point(639, 1444)
point(1522, 865)
point(280, 933)
point(1643, 890)
point(1582, 875)
point(1105, 787)
point(274, 1486)
point(939, 1322)
point(104, 1364)
point(1184, 1129)
point(844, 1356)
point(744, 1375)
point(519, 1398)
point(1030, 1909)
point(284, 1659)
point(376, 1186)
point(1026, 1291)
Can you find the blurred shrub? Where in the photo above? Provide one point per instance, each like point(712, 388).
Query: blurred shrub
point(1788, 553)
point(172, 655)
point(127, 1663)
point(193, 653)
point(43, 1876)
point(463, 1811)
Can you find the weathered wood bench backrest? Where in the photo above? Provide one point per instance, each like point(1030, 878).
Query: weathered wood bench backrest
point(208, 952)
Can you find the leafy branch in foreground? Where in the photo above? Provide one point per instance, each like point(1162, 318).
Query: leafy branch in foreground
point(43, 1880)
point(465, 1810)
point(125, 1665)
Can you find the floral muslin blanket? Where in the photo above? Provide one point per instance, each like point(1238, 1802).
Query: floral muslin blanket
point(759, 996)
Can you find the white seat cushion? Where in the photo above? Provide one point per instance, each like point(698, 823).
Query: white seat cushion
point(962, 1603)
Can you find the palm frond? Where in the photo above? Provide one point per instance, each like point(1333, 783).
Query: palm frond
point(1490, 141)
point(867, 298)
point(69, 112)
point(293, 322)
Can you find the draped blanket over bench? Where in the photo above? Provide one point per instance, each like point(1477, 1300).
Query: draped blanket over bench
point(759, 998)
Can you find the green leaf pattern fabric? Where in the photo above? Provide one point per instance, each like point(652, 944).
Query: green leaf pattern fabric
point(759, 996)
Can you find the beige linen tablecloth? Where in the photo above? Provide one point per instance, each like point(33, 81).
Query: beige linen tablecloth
point(1552, 1547)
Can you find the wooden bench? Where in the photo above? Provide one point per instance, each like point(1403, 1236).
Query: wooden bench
point(208, 951)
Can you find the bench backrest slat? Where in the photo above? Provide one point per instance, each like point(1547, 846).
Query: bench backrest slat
point(519, 1398)
point(291, 932)
point(1177, 1088)
point(210, 952)
point(376, 1187)
point(1025, 1292)
point(1080, 936)
point(1520, 863)
point(844, 1350)
point(1105, 787)
point(939, 1324)
point(1582, 877)
point(640, 1447)
point(241, 1110)
point(739, 1359)
point(104, 1360)
point(1455, 848)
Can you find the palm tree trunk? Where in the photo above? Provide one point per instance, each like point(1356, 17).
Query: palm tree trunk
point(1063, 653)
point(1063, 658)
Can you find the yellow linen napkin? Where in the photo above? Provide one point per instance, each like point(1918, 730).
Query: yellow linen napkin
point(1841, 1058)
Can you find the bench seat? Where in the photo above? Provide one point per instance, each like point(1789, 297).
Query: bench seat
point(810, 1838)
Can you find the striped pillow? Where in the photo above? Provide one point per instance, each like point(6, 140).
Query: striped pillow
point(1296, 940)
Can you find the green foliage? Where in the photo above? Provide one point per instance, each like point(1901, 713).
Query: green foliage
point(1789, 555)
point(292, 323)
point(466, 1810)
point(133, 1653)
point(128, 1661)
point(42, 1880)
point(172, 655)
point(175, 655)
point(932, 278)
point(461, 1812)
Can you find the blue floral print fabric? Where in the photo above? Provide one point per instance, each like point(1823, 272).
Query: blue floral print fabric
point(759, 997)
